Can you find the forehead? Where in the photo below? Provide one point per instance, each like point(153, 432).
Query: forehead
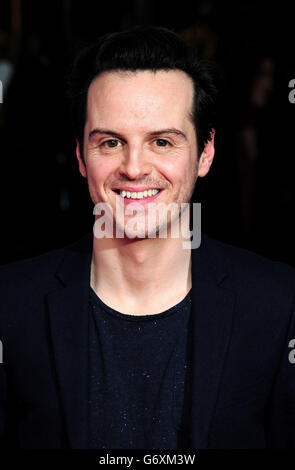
point(140, 98)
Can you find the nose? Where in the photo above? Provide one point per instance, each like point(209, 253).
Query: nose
point(135, 164)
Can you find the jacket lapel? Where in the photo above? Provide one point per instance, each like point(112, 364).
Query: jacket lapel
point(68, 320)
point(212, 313)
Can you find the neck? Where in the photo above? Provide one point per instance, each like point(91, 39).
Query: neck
point(140, 275)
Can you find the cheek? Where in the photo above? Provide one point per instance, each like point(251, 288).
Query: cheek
point(180, 169)
point(98, 170)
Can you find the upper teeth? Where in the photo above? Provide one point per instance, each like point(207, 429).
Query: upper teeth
point(140, 194)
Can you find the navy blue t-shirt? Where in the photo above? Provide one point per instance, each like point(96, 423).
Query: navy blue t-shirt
point(138, 371)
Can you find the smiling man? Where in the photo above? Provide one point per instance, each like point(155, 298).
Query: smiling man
point(124, 341)
point(130, 110)
point(139, 138)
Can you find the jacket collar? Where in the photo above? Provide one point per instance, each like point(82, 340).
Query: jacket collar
point(211, 322)
point(75, 264)
point(211, 325)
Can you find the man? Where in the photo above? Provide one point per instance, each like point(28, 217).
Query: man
point(130, 341)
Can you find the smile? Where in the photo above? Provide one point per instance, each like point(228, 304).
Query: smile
point(137, 194)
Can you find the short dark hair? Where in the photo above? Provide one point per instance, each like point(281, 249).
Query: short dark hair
point(144, 48)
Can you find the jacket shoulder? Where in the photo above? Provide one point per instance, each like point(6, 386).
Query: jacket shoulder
point(38, 268)
point(247, 267)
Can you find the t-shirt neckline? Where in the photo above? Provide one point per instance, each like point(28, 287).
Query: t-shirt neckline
point(94, 298)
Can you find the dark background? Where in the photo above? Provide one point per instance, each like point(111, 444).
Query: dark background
point(248, 196)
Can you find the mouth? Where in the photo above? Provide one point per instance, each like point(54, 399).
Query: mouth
point(144, 196)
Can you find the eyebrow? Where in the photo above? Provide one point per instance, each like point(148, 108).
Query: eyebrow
point(170, 130)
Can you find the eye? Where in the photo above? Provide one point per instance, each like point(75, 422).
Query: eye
point(162, 143)
point(111, 143)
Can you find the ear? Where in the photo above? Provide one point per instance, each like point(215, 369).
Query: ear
point(207, 155)
point(82, 167)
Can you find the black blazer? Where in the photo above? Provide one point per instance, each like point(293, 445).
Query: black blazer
point(243, 383)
